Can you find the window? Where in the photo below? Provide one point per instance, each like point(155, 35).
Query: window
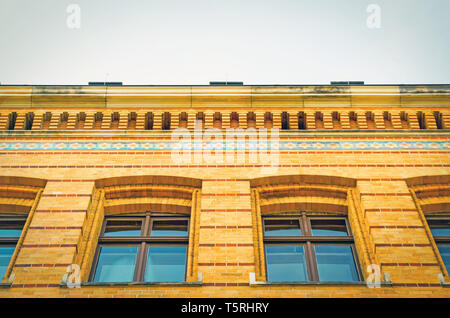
point(10, 230)
point(309, 248)
point(144, 248)
point(440, 228)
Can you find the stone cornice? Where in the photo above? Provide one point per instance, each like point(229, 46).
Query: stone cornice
point(224, 97)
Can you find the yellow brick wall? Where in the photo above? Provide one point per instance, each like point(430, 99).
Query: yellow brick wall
point(225, 251)
point(385, 215)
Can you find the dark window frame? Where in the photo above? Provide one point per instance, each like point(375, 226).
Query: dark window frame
point(142, 242)
point(11, 241)
point(440, 239)
point(308, 241)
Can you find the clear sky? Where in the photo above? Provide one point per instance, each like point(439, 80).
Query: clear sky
point(197, 41)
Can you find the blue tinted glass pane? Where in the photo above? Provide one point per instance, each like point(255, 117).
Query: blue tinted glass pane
point(166, 264)
point(5, 257)
point(335, 263)
point(11, 228)
point(440, 232)
point(328, 227)
point(10, 233)
point(444, 250)
point(169, 228)
point(439, 227)
point(116, 264)
point(282, 227)
point(286, 263)
point(123, 228)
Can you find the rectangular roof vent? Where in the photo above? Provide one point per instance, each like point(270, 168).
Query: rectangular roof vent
point(347, 83)
point(105, 83)
point(226, 83)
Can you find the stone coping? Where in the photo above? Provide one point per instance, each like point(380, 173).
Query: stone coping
point(131, 284)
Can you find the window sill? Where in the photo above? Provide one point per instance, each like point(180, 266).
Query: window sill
point(444, 280)
point(254, 283)
point(130, 284)
point(64, 284)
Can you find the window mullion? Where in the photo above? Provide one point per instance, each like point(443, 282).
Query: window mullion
point(306, 225)
point(138, 273)
point(147, 222)
point(311, 261)
point(309, 249)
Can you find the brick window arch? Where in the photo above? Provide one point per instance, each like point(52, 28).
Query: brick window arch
point(19, 197)
point(326, 217)
point(124, 216)
point(431, 194)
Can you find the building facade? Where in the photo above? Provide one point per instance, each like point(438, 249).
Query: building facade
point(225, 191)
